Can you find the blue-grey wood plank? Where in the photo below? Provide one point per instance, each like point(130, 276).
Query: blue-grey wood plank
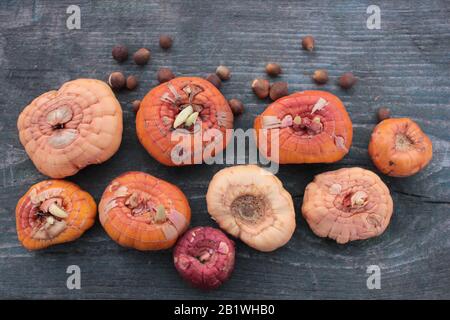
point(405, 65)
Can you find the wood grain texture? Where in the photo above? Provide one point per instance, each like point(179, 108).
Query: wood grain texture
point(405, 66)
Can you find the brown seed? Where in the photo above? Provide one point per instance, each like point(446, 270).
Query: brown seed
point(320, 76)
point(347, 80)
point(383, 114)
point(261, 88)
point(136, 104)
point(116, 80)
point(308, 43)
point(214, 79)
point(236, 106)
point(141, 56)
point(120, 53)
point(165, 41)
point(132, 82)
point(164, 75)
point(278, 90)
point(273, 69)
point(223, 73)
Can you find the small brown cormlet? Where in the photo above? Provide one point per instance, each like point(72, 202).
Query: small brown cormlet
point(236, 106)
point(116, 80)
point(132, 82)
point(165, 42)
point(308, 43)
point(164, 75)
point(120, 53)
point(261, 88)
point(347, 80)
point(273, 69)
point(214, 79)
point(136, 104)
point(383, 114)
point(141, 56)
point(278, 90)
point(320, 76)
point(223, 73)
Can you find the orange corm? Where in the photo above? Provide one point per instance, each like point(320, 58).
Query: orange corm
point(184, 121)
point(66, 130)
point(399, 148)
point(140, 211)
point(52, 212)
point(312, 127)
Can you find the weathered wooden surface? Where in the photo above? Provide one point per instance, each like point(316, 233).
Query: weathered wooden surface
point(405, 65)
